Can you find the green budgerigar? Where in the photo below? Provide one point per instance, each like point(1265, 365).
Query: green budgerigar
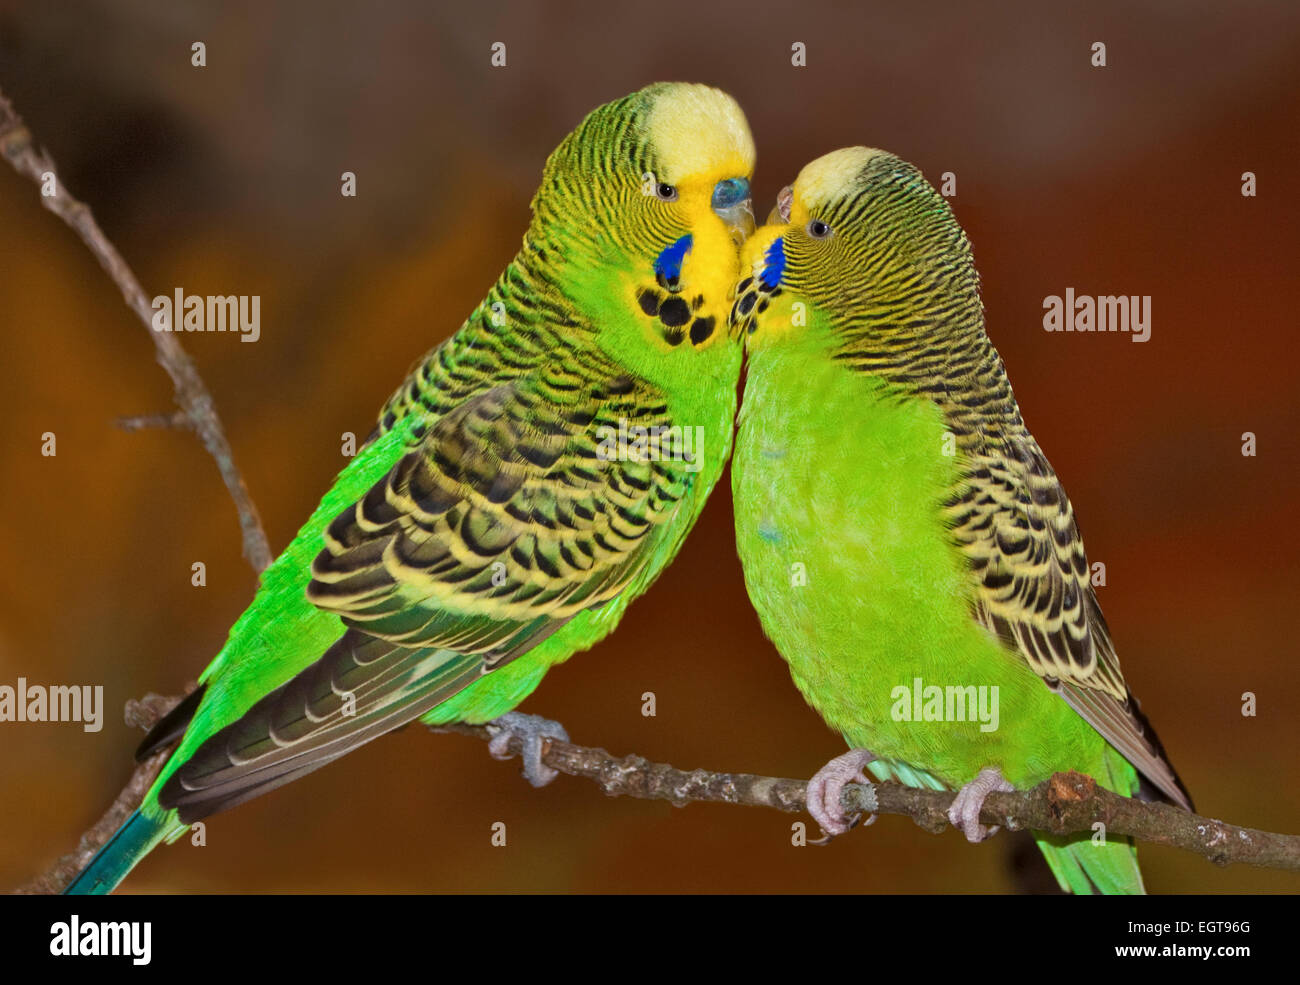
point(531, 477)
point(905, 542)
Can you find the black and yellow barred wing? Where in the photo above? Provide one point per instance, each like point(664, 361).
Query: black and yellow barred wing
point(1012, 518)
point(508, 516)
point(514, 512)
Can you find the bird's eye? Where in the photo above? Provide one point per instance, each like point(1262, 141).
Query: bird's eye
point(818, 229)
point(666, 192)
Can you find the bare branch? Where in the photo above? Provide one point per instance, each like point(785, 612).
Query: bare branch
point(18, 147)
point(177, 420)
point(1067, 803)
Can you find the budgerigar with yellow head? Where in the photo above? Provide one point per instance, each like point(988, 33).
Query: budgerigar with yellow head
point(905, 542)
point(531, 477)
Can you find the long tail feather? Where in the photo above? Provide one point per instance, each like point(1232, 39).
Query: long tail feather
point(1084, 867)
point(132, 842)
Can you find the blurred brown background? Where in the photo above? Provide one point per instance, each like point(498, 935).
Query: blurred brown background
point(226, 180)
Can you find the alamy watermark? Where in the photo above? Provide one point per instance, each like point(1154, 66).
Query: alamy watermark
point(37, 703)
point(923, 702)
point(102, 938)
point(215, 313)
point(1104, 313)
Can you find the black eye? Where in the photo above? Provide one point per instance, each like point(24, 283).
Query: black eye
point(818, 229)
point(666, 192)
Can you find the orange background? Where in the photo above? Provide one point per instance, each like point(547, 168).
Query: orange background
point(225, 179)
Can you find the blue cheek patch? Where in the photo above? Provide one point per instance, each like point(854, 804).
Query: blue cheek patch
point(773, 265)
point(668, 265)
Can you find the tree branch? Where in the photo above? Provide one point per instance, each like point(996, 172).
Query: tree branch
point(192, 394)
point(1067, 803)
point(177, 420)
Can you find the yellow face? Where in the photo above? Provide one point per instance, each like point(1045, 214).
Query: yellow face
point(799, 247)
point(704, 157)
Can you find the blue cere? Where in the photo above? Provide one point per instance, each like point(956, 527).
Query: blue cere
point(669, 263)
point(729, 192)
point(773, 265)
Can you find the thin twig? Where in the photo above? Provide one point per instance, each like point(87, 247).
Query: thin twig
point(18, 146)
point(176, 420)
point(1067, 803)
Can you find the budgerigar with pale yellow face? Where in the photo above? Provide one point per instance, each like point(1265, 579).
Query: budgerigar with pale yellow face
point(509, 505)
point(905, 542)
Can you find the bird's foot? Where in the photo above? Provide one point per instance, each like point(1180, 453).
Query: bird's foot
point(964, 814)
point(828, 783)
point(532, 731)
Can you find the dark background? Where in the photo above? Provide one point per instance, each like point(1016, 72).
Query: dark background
point(225, 179)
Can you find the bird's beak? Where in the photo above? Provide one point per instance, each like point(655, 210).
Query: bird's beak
point(733, 205)
point(780, 213)
point(740, 220)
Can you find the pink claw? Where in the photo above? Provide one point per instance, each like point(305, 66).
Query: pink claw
point(828, 783)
